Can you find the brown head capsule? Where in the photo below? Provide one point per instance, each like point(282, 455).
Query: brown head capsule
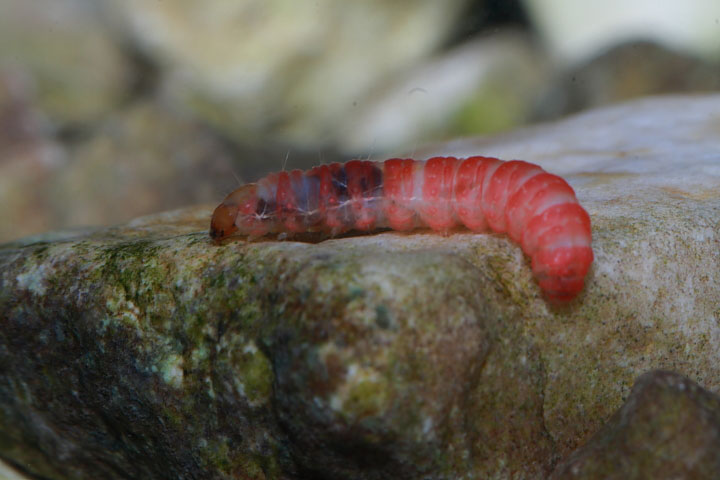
point(237, 213)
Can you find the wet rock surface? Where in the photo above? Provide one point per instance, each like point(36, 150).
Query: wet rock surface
point(145, 350)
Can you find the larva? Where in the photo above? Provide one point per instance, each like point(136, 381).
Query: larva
point(536, 209)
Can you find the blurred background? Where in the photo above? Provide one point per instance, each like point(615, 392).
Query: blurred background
point(111, 109)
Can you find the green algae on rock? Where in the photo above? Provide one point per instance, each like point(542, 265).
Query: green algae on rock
point(146, 350)
point(119, 369)
point(137, 352)
point(352, 358)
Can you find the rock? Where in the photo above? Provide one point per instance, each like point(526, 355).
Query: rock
point(626, 71)
point(282, 70)
point(77, 70)
point(30, 159)
point(7, 472)
point(187, 351)
point(648, 174)
point(147, 351)
point(484, 85)
point(141, 160)
point(668, 428)
point(569, 39)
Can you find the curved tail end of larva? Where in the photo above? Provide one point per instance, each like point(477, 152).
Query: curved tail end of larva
point(561, 271)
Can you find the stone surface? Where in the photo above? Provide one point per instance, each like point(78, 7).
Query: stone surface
point(145, 350)
point(143, 159)
point(29, 159)
point(484, 85)
point(668, 428)
point(7, 472)
point(648, 172)
point(78, 72)
point(282, 69)
point(569, 39)
point(626, 71)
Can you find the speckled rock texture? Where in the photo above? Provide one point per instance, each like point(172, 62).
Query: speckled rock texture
point(668, 428)
point(147, 351)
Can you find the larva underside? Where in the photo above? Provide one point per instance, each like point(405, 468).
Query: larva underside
point(536, 209)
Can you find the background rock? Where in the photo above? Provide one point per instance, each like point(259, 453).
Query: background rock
point(629, 70)
point(29, 159)
point(77, 71)
point(282, 69)
point(408, 355)
point(571, 38)
point(144, 158)
point(483, 85)
point(276, 84)
point(669, 427)
point(9, 473)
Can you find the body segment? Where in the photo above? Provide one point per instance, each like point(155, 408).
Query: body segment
point(535, 208)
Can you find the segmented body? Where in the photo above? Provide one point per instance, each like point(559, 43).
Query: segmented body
point(536, 209)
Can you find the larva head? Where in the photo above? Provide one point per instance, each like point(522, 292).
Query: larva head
point(237, 214)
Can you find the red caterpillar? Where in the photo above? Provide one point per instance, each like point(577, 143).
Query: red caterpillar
point(535, 208)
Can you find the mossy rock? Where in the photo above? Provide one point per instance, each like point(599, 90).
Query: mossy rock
point(148, 351)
